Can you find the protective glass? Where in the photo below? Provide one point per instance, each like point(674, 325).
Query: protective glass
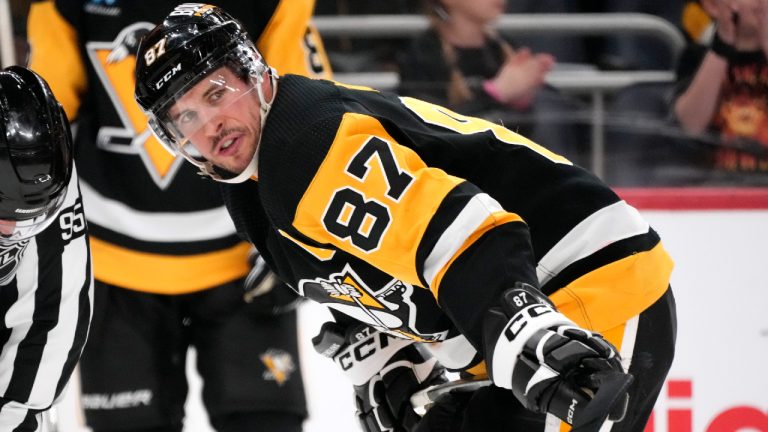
point(196, 120)
point(13, 231)
point(200, 119)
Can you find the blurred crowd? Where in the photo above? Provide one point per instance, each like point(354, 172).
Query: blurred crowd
point(648, 138)
point(708, 125)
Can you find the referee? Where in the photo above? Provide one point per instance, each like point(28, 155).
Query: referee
point(45, 269)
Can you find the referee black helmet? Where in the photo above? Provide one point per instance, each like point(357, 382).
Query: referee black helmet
point(35, 154)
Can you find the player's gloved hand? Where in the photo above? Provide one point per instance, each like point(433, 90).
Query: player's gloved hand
point(265, 291)
point(552, 365)
point(385, 371)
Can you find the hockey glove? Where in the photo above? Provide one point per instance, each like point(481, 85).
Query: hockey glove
point(550, 364)
point(385, 371)
point(262, 288)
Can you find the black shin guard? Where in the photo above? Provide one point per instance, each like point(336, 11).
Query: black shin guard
point(265, 421)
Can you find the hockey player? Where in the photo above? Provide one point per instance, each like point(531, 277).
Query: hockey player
point(45, 270)
point(170, 270)
point(442, 233)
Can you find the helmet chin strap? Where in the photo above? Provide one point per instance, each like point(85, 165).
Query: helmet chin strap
point(252, 170)
point(249, 171)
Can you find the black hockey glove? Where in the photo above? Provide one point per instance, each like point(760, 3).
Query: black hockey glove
point(552, 365)
point(385, 371)
point(265, 291)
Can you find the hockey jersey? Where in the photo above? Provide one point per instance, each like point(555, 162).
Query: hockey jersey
point(149, 232)
point(46, 301)
point(414, 219)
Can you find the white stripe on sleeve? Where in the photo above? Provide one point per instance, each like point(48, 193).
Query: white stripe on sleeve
point(155, 226)
point(467, 222)
point(19, 315)
point(62, 337)
point(608, 225)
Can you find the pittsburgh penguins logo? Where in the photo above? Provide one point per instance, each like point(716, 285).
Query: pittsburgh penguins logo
point(389, 308)
point(189, 9)
point(9, 260)
point(114, 63)
point(279, 364)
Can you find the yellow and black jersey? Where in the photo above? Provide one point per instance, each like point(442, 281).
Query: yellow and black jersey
point(414, 219)
point(149, 232)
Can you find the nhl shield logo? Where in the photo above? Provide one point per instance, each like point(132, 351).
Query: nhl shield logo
point(9, 260)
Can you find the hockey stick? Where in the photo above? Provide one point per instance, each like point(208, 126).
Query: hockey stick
point(602, 403)
point(422, 400)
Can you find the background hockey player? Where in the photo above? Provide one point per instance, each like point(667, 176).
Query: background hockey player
point(170, 270)
point(440, 232)
point(46, 287)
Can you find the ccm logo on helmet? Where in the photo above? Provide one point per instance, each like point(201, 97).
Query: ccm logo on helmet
point(168, 75)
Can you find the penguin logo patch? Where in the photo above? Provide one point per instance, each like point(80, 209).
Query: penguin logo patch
point(279, 364)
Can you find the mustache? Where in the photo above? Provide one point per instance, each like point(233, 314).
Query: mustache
point(217, 139)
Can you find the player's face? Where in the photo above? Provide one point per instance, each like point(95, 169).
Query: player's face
point(220, 117)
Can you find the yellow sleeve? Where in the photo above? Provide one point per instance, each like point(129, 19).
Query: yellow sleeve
point(597, 302)
point(55, 55)
point(291, 44)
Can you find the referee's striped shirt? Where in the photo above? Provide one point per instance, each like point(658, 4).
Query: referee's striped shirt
point(45, 311)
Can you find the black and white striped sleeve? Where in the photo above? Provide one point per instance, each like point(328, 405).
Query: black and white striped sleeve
point(45, 313)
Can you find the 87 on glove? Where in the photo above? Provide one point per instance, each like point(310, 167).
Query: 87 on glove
point(385, 372)
point(550, 364)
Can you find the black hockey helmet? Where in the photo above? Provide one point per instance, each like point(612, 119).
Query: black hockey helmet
point(35, 154)
point(193, 41)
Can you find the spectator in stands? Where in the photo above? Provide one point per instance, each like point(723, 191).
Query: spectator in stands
point(643, 147)
point(723, 87)
point(463, 63)
point(480, 68)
